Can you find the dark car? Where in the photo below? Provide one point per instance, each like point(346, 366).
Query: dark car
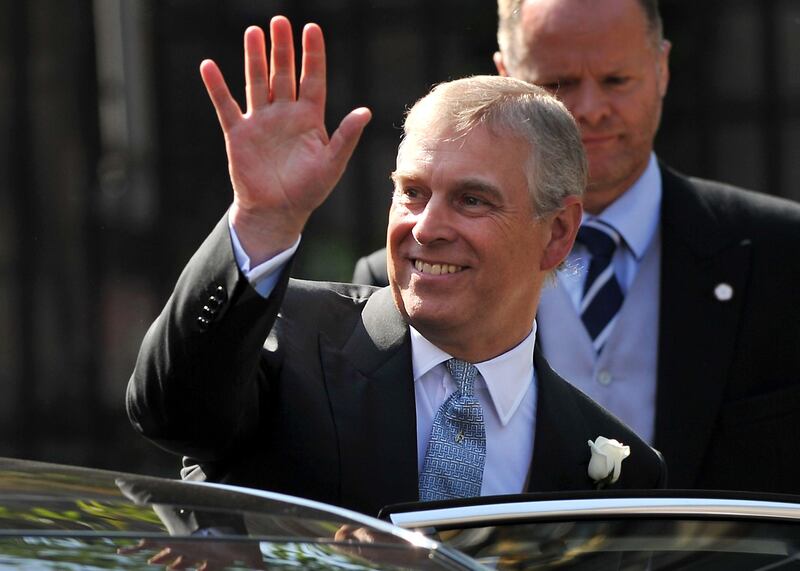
point(58, 517)
point(608, 530)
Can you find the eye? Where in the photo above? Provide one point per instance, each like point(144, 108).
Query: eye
point(409, 196)
point(472, 204)
point(405, 192)
point(557, 86)
point(469, 200)
point(552, 87)
point(616, 80)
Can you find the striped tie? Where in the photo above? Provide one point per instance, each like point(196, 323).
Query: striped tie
point(456, 454)
point(602, 296)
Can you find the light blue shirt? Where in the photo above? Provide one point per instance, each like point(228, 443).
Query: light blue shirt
point(635, 215)
point(622, 378)
point(506, 388)
point(263, 277)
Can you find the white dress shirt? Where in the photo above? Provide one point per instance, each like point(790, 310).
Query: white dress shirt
point(506, 389)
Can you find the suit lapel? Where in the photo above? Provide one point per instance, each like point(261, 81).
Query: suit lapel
point(370, 385)
point(560, 451)
point(700, 264)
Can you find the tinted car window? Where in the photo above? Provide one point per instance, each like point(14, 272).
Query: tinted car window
point(84, 552)
point(67, 518)
point(631, 543)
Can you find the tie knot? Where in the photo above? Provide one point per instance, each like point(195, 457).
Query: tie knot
point(600, 239)
point(463, 374)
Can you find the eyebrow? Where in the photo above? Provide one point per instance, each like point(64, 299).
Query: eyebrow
point(479, 186)
point(469, 184)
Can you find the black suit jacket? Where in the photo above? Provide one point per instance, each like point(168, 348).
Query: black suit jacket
point(728, 396)
point(311, 393)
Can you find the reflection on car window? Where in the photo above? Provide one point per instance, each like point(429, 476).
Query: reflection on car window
point(632, 544)
point(79, 552)
point(74, 519)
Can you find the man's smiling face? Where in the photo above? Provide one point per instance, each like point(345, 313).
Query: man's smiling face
point(465, 249)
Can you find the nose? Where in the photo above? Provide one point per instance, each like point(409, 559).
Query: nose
point(589, 104)
point(434, 223)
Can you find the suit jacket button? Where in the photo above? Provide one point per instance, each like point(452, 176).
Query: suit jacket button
point(219, 292)
point(209, 312)
point(214, 302)
point(723, 292)
point(203, 323)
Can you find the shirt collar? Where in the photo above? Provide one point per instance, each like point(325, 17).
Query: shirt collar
point(636, 212)
point(508, 376)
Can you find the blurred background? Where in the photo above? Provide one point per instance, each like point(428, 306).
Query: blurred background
point(113, 169)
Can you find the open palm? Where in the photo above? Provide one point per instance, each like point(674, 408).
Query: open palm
point(281, 160)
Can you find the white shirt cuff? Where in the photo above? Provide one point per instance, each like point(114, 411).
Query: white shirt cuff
point(264, 276)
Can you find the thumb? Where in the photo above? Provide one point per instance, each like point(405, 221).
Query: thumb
point(345, 138)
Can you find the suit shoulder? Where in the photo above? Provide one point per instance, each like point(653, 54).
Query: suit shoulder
point(372, 269)
point(737, 201)
point(308, 295)
point(730, 209)
point(748, 199)
point(325, 306)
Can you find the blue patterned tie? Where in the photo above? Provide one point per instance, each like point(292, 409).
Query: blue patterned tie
point(456, 454)
point(602, 296)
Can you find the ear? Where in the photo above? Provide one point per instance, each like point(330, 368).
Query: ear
point(563, 229)
point(498, 63)
point(663, 67)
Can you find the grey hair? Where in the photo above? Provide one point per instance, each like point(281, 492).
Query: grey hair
point(557, 165)
point(509, 30)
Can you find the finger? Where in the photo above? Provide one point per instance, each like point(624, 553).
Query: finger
point(313, 70)
point(255, 69)
point(282, 75)
point(344, 533)
point(228, 111)
point(364, 535)
point(161, 556)
point(180, 562)
point(346, 136)
point(140, 545)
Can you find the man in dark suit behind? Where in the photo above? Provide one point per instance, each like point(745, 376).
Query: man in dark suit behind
point(332, 391)
point(702, 358)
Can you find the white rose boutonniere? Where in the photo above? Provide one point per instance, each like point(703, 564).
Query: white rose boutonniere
point(605, 466)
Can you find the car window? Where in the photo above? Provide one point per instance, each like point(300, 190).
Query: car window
point(83, 552)
point(631, 543)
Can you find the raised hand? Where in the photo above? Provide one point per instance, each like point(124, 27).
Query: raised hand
point(281, 160)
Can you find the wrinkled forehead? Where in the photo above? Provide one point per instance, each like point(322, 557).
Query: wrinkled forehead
point(574, 29)
point(421, 146)
point(478, 158)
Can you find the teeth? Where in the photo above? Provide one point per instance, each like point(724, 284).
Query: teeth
point(436, 269)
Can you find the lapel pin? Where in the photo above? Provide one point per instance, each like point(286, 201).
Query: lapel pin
point(723, 292)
